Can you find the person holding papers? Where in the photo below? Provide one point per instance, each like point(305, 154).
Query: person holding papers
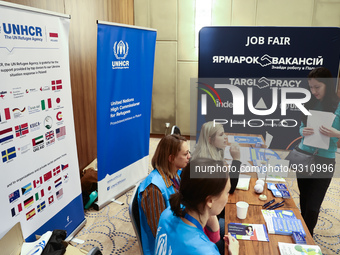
point(181, 228)
point(314, 188)
point(212, 143)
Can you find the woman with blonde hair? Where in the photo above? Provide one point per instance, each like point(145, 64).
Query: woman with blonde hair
point(212, 143)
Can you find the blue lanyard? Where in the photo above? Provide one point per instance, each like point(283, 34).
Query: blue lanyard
point(193, 221)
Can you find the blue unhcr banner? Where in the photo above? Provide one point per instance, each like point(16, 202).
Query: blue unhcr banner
point(247, 73)
point(125, 62)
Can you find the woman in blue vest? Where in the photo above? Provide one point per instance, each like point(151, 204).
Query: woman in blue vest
point(313, 188)
point(211, 144)
point(172, 154)
point(181, 226)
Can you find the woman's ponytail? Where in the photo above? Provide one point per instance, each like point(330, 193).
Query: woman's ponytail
point(175, 203)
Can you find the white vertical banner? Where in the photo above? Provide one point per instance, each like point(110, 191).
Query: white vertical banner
point(40, 184)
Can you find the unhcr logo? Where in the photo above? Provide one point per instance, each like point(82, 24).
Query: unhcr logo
point(120, 50)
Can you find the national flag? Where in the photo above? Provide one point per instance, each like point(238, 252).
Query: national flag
point(42, 193)
point(16, 210)
point(49, 135)
point(6, 134)
point(14, 196)
point(49, 188)
point(64, 167)
point(58, 100)
point(27, 188)
point(8, 154)
point(56, 171)
point(57, 85)
point(30, 214)
point(50, 200)
point(28, 202)
point(55, 35)
point(43, 104)
point(6, 116)
point(41, 206)
point(60, 131)
point(38, 140)
point(47, 176)
point(38, 182)
point(59, 193)
point(21, 129)
point(66, 177)
point(37, 196)
point(57, 182)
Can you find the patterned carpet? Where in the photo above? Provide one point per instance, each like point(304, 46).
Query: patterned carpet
point(110, 228)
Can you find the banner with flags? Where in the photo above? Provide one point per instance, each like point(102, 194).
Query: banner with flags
point(125, 62)
point(35, 112)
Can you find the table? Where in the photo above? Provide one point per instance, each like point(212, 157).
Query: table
point(254, 216)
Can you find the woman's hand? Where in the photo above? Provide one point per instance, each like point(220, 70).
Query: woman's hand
point(213, 224)
point(235, 151)
point(233, 245)
point(307, 131)
point(331, 132)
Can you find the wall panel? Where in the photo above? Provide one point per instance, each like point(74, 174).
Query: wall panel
point(164, 86)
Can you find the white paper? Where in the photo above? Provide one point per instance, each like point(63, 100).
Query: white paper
point(292, 249)
point(268, 139)
point(315, 121)
point(36, 247)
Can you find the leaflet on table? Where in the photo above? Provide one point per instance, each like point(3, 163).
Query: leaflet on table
point(243, 182)
point(282, 222)
point(245, 139)
point(298, 249)
point(244, 231)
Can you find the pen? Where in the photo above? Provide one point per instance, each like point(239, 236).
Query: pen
point(269, 203)
point(277, 204)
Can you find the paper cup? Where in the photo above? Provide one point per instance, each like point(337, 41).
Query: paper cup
point(241, 209)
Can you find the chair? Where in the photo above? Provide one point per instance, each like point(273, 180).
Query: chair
point(134, 216)
point(175, 130)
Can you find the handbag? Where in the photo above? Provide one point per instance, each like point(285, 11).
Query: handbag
point(301, 161)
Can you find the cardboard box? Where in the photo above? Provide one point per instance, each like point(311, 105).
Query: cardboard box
point(10, 244)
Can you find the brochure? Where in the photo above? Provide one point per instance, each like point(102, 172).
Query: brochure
point(282, 222)
point(244, 231)
point(298, 249)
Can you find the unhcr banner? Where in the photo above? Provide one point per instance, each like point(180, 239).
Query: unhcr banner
point(125, 62)
point(40, 183)
point(247, 75)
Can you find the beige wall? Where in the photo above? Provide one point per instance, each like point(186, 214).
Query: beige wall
point(177, 59)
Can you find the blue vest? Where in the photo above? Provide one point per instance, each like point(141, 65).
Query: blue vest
point(148, 240)
point(176, 237)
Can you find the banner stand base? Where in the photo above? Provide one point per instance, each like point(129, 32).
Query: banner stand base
point(98, 207)
point(81, 225)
